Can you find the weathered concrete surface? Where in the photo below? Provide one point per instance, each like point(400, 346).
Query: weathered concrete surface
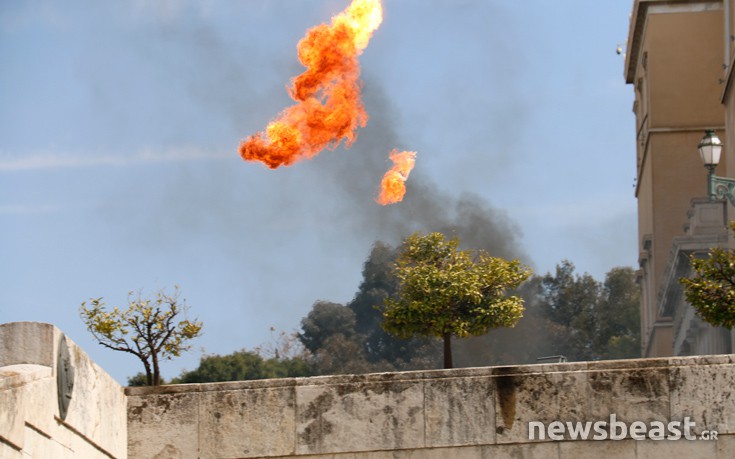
point(459, 411)
point(33, 357)
point(226, 414)
point(462, 413)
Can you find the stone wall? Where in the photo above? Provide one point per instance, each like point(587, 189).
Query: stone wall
point(54, 401)
point(463, 413)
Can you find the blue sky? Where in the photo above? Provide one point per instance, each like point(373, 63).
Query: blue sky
point(120, 121)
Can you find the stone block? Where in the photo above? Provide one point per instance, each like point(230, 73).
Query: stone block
point(544, 450)
point(543, 397)
point(38, 445)
point(41, 403)
point(466, 452)
point(640, 394)
point(27, 342)
point(165, 426)
point(725, 446)
point(8, 452)
point(12, 422)
point(460, 411)
point(247, 423)
point(26, 392)
point(666, 449)
point(706, 394)
point(622, 449)
point(379, 415)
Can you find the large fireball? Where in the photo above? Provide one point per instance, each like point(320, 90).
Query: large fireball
point(329, 108)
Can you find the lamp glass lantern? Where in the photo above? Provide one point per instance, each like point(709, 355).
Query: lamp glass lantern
point(710, 148)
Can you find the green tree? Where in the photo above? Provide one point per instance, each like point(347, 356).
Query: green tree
point(350, 338)
point(282, 357)
point(341, 355)
point(711, 291)
point(324, 320)
point(385, 351)
point(139, 379)
point(378, 283)
point(569, 301)
point(243, 365)
point(328, 333)
point(588, 320)
point(445, 292)
point(147, 328)
point(618, 317)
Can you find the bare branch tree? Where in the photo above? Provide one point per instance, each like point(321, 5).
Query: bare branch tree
point(148, 328)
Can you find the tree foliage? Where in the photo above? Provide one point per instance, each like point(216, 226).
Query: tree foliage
point(445, 292)
point(569, 302)
point(150, 329)
point(565, 313)
point(243, 365)
point(350, 338)
point(618, 317)
point(139, 379)
point(711, 291)
point(383, 350)
point(325, 320)
point(589, 320)
point(378, 283)
point(282, 357)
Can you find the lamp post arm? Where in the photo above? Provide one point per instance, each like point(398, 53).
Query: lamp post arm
point(721, 188)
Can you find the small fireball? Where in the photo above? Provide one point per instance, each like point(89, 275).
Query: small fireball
point(393, 185)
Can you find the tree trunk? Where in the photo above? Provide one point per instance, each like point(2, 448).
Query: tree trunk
point(448, 350)
point(148, 374)
point(156, 370)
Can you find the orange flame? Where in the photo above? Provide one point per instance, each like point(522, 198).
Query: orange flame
point(393, 185)
point(329, 107)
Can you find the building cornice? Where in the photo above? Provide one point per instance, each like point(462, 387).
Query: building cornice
point(637, 26)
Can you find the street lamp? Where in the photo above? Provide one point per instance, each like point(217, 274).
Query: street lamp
point(710, 148)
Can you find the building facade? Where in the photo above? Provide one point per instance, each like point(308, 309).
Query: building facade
point(679, 58)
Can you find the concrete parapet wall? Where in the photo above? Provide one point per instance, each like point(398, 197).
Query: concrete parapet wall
point(38, 367)
point(462, 413)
